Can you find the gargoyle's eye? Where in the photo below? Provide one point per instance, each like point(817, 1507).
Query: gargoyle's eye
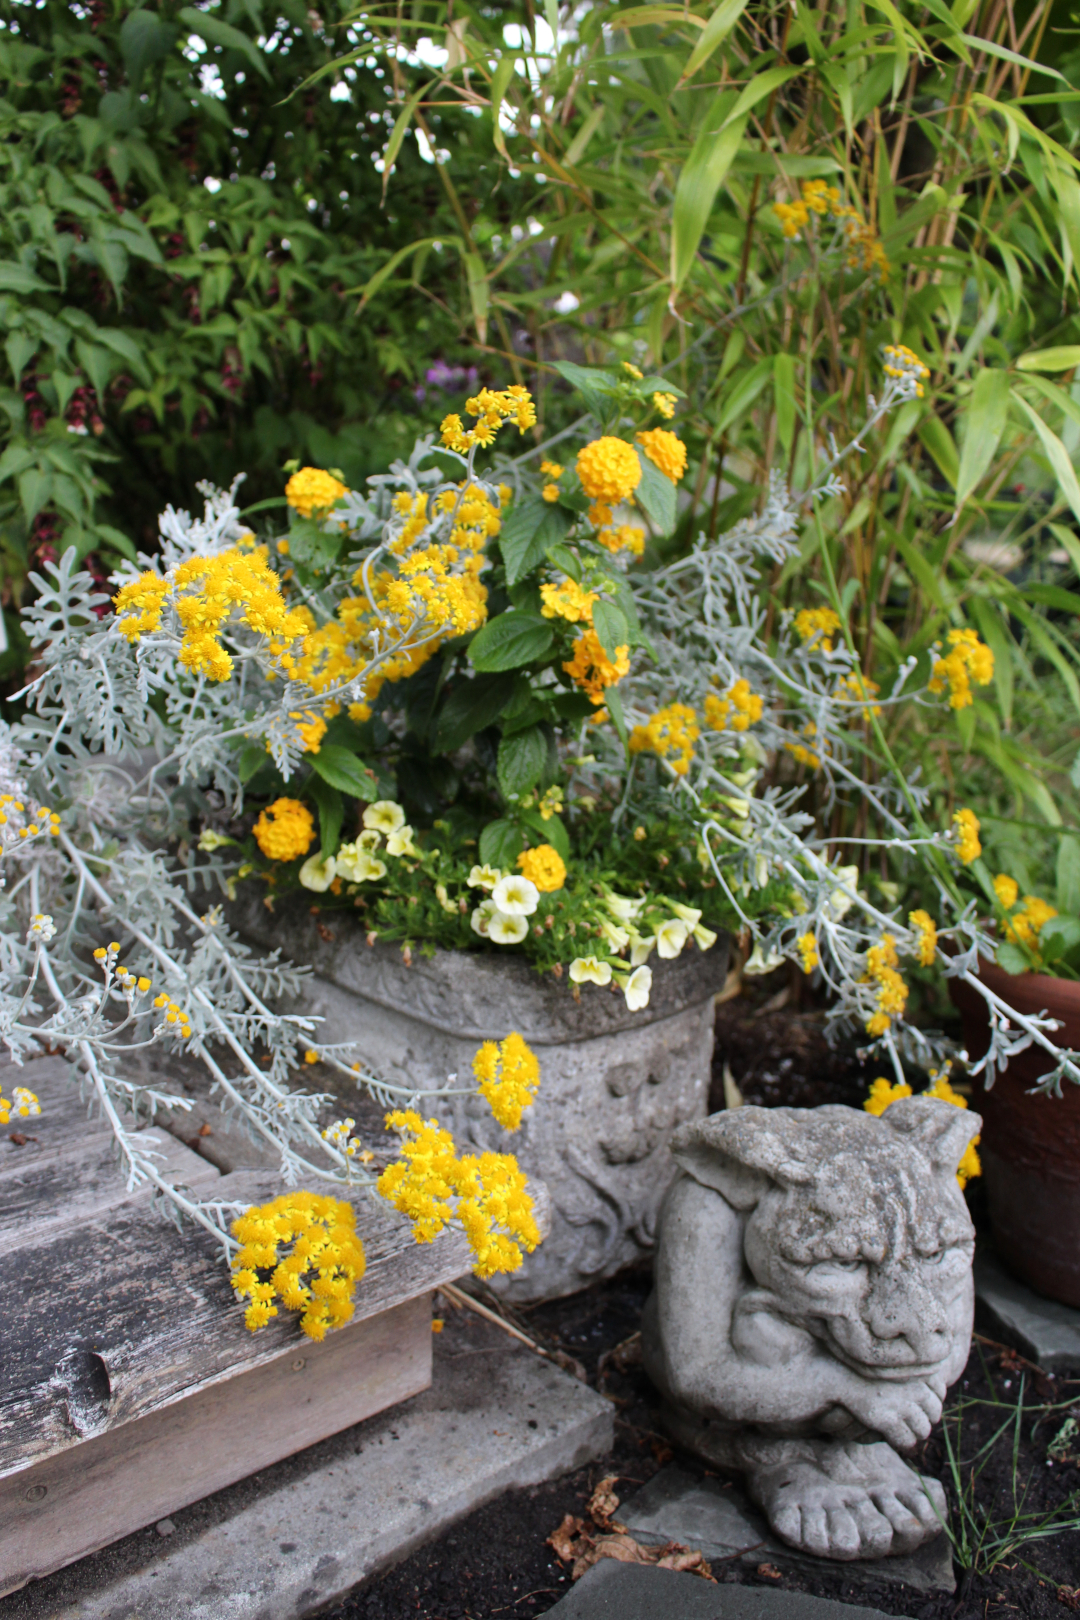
point(936, 1258)
point(843, 1265)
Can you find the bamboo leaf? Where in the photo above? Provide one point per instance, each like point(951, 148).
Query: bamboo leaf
point(984, 423)
point(1002, 52)
point(784, 399)
point(716, 30)
point(1062, 359)
point(1056, 453)
point(500, 83)
point(704, 170)
point(479, 290)
point(397, 134)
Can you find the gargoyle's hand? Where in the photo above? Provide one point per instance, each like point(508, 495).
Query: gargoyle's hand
point(903, 1414)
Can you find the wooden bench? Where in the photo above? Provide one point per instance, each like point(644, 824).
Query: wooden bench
point(129, 1385)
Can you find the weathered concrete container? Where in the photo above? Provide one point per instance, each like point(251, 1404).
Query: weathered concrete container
point(614, 1083)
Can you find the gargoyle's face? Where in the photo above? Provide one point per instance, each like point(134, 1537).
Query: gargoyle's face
point(874, 1259)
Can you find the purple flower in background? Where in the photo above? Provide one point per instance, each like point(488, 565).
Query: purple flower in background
point(448, 379)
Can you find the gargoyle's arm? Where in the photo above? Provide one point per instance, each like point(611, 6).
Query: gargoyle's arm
point(780, 1374)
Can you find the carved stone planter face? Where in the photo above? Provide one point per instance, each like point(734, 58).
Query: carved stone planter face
point(613, 1084)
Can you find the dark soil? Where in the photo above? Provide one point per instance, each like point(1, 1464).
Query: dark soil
point(1001, 1420)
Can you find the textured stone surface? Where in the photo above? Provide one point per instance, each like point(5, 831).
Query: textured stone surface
point(614, 1084)
point(496, 1418)
point(1041, 1329)
point(612, 1591)
point(813, 1303)
point(717, 1519)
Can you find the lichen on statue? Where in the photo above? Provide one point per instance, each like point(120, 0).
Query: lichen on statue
point(813, 1303)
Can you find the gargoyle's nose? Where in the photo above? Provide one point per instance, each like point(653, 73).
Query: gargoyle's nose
point(900, 1306)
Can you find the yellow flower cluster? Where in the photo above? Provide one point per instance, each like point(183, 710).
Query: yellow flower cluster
point(856, 688)
point(492, 1203)
point(970, 660)
point(1023, 927)
point(665, 450)
point(592, 669)
point(205, 591)
point(883, 1093)
point(429, 595)
point(48, 821)
point(312, 729)
point(311, 490)
point(806, 945)
point(925, 936)
point(799, 751)
point(568, 601)
point(491, 410)
point(738, 709)
point(285, 830)
point(900, 361)
point(609, 470)
point(508, 1075)
point(623, 537)
point(864, 250)
point(543, 866)
point(892, 992)
point(174, 1014)
point(414, 509)
point(665, 404)
point(671, 733)
point(810, 623)
point(322, 1231)
point(966, 835)
point(22, 1103)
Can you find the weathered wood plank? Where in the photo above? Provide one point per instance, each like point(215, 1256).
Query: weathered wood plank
point(64, 1116)
point(40, 1193)
point(82, 1499)
point(122, 1315)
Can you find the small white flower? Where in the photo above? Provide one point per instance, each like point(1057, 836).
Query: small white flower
point(641, 949)
point(370, 840)
point(622, 908)
point(760, 962)
point(589, 970)
point(318, 872)
point(481, 918)
point(484, 877)
point(41, 928)
point(687, 914)
point(841, 902)
point(400, 842)
point(617, 938)
point(515, 896)
point(705, 937)
point(385, 815)
point(761, 871)
point(507, 930)
point(637, 988)
point(441, 896)
point(210, 840)
point(357, 865)
point(671, 936)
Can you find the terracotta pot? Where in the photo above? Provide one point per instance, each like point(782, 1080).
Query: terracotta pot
point(614, 1085)
point(1030, 1146)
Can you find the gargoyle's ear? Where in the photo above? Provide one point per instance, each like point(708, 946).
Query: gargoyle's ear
point(940, 1129)
point(739, 1153)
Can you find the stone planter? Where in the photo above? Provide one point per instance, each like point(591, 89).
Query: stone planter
point(614, 1084)
point(1030, 1146)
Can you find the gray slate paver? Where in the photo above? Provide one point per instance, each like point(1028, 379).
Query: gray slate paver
point(613, 1591)
point(496, 1418)
point(718, 1520)
point(1041, 1329)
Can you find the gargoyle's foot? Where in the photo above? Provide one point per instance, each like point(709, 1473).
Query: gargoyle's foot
point(843, 1501)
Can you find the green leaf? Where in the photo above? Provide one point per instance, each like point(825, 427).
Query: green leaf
point(610, 625)
point(1056, 452)
point(702, 175)
point(1012, 959)
point(1002, 52)
point(655, 495)
point(716, 30)
point(784, 399)
point(597, 388)
point(20, 347)
point(341, 769)
point(521, 761)
point(528, 534)
point(471, 706)
point(1059, 937)
point(500, 84)
point(501, 842)
point(253, 757)
point(1068, 874)
point(224, 34)
point(331, 814)
point(744, 391)
point(397, 134)
point(939, 441)
point(613, 704)
point(984, 423)
point(311, 545)
point(552, 831)
point(16, 278)
point(511, 640)
point(144, 39)
point(1062, 359)
point(1065, 537)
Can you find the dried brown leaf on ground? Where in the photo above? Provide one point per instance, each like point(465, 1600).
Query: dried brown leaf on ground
point(1070, 1596)
point(769, 1572)
point(576, 1545)
point(603, 1502)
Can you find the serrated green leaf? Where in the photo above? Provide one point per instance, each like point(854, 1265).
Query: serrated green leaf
point(470, 707)
point(529, 532)
point(610, 625)
point(597, 388)
point(1011, 959)
point(331, 814)
point(510, 641)
point(552, 831)
point(521, 761)
point(501, 842)
point(340, 767)
point(655, 495)
point(253, 757)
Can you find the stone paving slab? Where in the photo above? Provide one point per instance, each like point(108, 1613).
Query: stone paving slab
point(306, 1531)
point(716, 1517)
point(1041, 1329)
point(613, 1591)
